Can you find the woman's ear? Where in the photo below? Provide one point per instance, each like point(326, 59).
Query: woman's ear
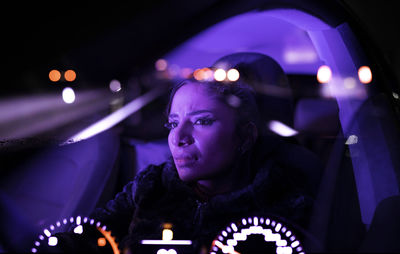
point(250, 135)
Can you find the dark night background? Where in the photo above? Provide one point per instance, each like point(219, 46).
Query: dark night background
point(105, 40)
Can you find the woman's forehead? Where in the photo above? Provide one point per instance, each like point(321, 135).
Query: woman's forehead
point(194, 97)
point(193, 93)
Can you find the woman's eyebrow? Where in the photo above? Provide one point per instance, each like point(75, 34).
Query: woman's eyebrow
point(196, 112)
point(172, 115)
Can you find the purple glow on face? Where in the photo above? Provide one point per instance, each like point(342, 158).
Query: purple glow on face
point(201, 141)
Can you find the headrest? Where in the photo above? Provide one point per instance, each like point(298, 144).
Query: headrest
point(317, 116)
point(265, 75)
point(254, 68)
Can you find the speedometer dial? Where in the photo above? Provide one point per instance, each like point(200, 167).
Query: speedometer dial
point(256, 235)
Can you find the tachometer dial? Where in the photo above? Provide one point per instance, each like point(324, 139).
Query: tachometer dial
point(102, 238)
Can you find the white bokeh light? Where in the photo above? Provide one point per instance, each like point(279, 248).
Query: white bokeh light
point(68, 95)
point(324, 74)
point(233, 75)
point(220, 75)
point(365, 74)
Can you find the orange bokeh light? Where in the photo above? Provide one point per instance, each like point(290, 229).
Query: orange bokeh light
point(101, 242)
point(70, 75)
point(198, 74)
point(54, 75)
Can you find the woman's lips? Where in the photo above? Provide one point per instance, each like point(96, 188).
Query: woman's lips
point(184, 161)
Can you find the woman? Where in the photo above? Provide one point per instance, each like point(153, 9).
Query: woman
point(223, 167)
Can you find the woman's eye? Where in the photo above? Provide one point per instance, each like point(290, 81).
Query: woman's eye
point(204, 121)
point(171, 125)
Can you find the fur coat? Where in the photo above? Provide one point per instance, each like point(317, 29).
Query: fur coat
point(157, 196)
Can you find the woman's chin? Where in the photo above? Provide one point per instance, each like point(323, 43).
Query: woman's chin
point(187, 174)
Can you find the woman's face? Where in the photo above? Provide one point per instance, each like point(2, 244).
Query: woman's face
point(202, 139)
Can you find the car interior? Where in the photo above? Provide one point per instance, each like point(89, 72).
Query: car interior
point(106, 136)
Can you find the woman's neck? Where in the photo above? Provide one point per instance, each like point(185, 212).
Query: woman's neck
point(235, 179)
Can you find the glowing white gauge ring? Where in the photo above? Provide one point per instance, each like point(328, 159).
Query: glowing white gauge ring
point(254, 225)
point(48, 232)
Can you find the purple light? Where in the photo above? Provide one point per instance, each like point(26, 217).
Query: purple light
point(161, 65)
point(298, 56)
point(115, 86)
point(281, 129)
point(116, 117)
point(162, 242)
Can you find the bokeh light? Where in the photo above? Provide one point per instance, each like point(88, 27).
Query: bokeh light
point(203, 74)
point(233, 75)
point(54, 75)
point(349, 83)
point(115, 86)
point(365, 74)
point(68, 95)
point(220, 75)
point(208, 74)
point(174, 70)
point(101, 242)
point(70, 75)
point(324, 74)
point(186, 72)
point(161, 65)
point(198, 74)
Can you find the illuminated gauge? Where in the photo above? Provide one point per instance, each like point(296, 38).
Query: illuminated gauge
point(256, 235)
point(103, 237)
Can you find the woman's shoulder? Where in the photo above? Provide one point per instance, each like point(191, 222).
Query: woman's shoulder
point(155, 178)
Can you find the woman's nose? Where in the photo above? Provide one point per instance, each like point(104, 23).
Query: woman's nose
point(183, 136)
